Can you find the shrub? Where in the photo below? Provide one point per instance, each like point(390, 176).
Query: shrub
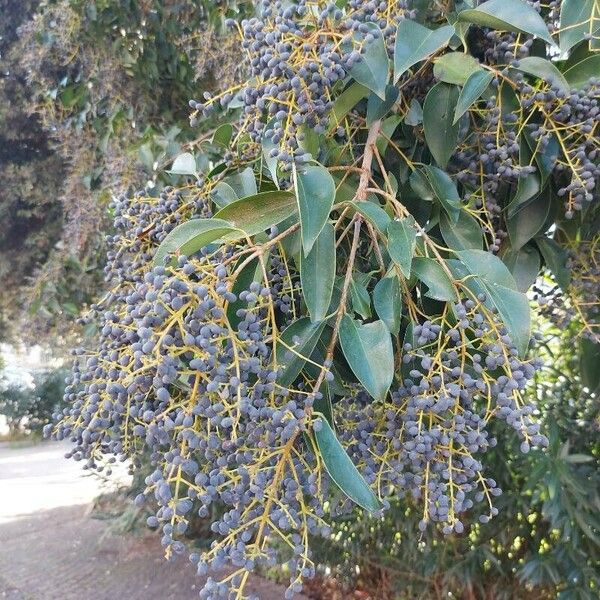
point(329, 312)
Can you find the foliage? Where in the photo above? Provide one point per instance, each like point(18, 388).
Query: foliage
point(93, 125)
point(328, 309)
point(29, 408)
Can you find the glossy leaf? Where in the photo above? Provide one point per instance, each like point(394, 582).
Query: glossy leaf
point(508, 15)
point(579, 74)
point(189, 237)
point(378, 108)
point(578, 18)
point(528, 221)
point(243, 183)
point(223, 194)
point(545, 70)
point(524, 265)
point(402, 238)
point(317, 274)
point(465, 233)
point(342, 470)
point(455, 67)
point(345, 102)
point(475, 85)
point(294, 346)
point(589, 363)
point(415, 43)
point(258, 213)
point(315, 190)
point(432, 274)
point(387, 299)
point(369, 352)
point(441, 133)
point(184, 164)
point(444, 190)
point(359, 295)
point(374, 214)
point(372, 70)
point(555, 257)
point(493, 277)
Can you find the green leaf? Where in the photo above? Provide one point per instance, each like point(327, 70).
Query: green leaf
point(415, 43)
point(184, 164)
point(324, 405)
point(462, 235)
point(414, 116)
point(294, 347)
point(528, 222)
point(259, 212)
point(524, 265)
point(543, 69)
point(388, 126)
point(342, 470)
point(555, 257)
point(589, 363)
point(441, 133)
point(345, 102)
point(315, 190)
point(475, 85)
point(579, 75)
point(369, 352)
point(455, 67)
point(251, 272)
point(189, 237)
point(493, 276)
point(359, 295)
point(243, 183)
point(444, 190)
point(223, 194)
point(387, 299)
point(508, 15)
point(378, 108)
point(374, 214)
point(222, 135)
point(402, 238)
point(578, 18)
point(431, 273)
point(528, 187)
point(373, 68)
point(317, 274)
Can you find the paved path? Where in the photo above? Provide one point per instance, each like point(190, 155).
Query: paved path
point(51, 549)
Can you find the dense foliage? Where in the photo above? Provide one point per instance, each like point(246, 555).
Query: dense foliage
point(28, 408)
point(329, 310)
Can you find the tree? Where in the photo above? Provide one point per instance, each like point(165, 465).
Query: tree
point(329, 309)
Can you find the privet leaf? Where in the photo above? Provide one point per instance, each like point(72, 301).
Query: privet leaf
point(578, 18)
point(475, 85)
point(555, 257)
point(524, 265)
point(415, 43)
point(292, 355)
point(494, 278)
point(441, 133)
point(508, 15)
point(317, 274)
point(445, 191)
point(315, 190)
point(374, 214)
point(402, 237)
point(432, 274)
point(345, 102)
point(184, 164)
point(579, 74)
point(543, 69)
point(189, 237)
point(259, 212)
point(369, 352)
point(378, 108)
point(528, 222)
point(373, 68)
point(455, 67)
point(342, 470)
point(387, 299)
point(464, 234)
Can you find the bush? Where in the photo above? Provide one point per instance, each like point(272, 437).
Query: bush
point(328, 316)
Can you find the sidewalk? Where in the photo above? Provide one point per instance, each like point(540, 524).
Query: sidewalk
point(51, 549)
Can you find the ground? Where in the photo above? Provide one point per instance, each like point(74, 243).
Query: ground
point(51, 547)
